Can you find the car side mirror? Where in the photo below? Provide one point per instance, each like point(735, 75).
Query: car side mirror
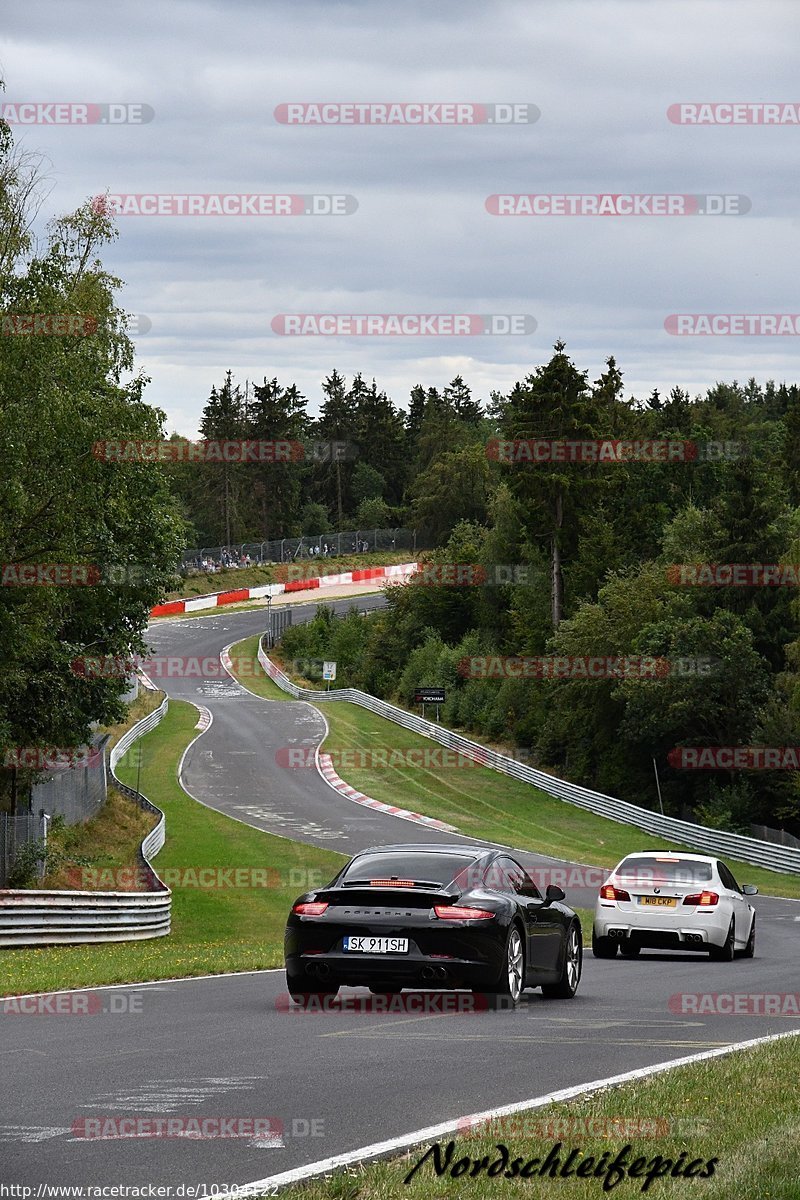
point(554, 892)
point(748, 889)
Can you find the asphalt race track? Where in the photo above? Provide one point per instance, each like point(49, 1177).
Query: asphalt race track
point(231, 1046)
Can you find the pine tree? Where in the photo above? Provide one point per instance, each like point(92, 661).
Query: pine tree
point(459, 397)
point(278, 414)
point(223, 420)
point(555, 403)
point(334, 424)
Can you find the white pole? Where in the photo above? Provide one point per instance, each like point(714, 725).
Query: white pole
point(658, 785)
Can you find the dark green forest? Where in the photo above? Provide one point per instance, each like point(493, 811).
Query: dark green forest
point(592, 545)
point(362, 462)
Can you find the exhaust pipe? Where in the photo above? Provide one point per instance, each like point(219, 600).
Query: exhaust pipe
point(321, 970)
point(430, 973)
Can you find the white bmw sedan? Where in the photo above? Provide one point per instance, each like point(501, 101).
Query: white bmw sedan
point(674, 901)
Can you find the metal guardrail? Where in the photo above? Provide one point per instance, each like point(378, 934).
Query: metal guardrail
point(48, 918)
point(713, 841)
point(157, 835)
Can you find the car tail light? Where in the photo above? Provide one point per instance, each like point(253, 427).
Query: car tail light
point(391, 883)
point(311, 908)
point(459, 912)
point(609, 892)
point(702, 899)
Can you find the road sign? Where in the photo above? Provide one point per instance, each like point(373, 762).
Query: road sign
point(329, 671)
point(429, 695)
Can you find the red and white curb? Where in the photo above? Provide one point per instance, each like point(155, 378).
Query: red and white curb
point(396, 572)
point(333, 780)
point(205, 720)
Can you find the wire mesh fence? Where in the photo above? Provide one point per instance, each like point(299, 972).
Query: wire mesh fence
point(778, 837)
point(317, 545)
point(74, 792)
point(16, 832)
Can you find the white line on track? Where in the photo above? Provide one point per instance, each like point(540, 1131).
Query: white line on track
point(116, 987)
point(434, 1132)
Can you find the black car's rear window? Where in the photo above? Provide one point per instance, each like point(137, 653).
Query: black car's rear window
point(437, 869)
point(666, 868)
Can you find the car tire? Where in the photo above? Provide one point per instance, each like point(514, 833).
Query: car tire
point(724, 953)
point(750, 948)
point(629, 949)
point(603, 947)
point(571, 968)
point(507, 991)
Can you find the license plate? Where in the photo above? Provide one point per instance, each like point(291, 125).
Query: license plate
point(376, 945)
point(658, 901)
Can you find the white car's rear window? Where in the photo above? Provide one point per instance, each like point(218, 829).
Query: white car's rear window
point(660, 868)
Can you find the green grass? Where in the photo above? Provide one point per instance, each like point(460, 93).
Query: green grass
point(214, 929)
point(478, 801)
point(145, 703)
point(248, 671)
point(255, 576)
point(742, 1109)
point(106, 847)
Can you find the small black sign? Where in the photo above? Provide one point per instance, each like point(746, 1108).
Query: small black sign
point(429, 695)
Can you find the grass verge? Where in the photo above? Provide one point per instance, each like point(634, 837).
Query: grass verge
point(102, 854)
point(216, 928)
point(476, 800)
point(306, 568)
point(699, 1112)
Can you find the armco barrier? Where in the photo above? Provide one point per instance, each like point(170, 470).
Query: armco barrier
point(712, 841)
point(395, 571)
point(49, 918)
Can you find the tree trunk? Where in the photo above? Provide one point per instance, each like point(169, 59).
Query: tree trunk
point(339, 491)
point(227, 509)
point(556, 577)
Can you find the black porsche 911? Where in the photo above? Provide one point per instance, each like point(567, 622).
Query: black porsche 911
point(433, 916)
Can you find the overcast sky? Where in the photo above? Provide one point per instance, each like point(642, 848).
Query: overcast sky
point(602, 73)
